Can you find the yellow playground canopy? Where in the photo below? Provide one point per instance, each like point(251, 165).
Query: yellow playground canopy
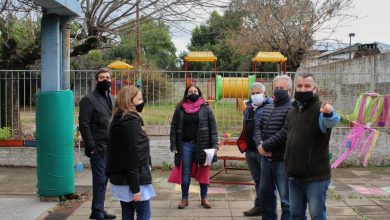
point(119, 65)
point(200, 56)
point(272, 57)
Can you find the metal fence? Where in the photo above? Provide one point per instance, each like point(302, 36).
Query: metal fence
point(163, 90)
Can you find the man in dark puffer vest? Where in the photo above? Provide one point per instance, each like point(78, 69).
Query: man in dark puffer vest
point(271, 135)
point(307, 149)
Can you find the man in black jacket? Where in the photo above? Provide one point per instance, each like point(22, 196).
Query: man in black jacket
point(94, 116)
point(271, 135)
point(307, 149)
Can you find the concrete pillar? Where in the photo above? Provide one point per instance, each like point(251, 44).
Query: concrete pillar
point(51, 53)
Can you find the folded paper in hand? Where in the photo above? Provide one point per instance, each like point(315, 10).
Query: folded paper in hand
point(209, 156)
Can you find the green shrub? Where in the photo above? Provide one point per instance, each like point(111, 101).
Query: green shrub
point(5, 133)
point(166, 166)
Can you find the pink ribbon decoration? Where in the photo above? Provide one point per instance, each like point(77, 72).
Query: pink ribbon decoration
point(360, 118)
point(366, 144)
point(368, 155)
point(357, 141)
point(384, 118)
point(352, 138)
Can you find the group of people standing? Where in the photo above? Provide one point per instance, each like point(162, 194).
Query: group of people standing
point(119, 148)
point(288, 148)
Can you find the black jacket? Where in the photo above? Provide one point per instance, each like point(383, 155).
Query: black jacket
point(271, 129)
point(129, 153)
point(207, 133)
point(307, 148)
point(94, 118)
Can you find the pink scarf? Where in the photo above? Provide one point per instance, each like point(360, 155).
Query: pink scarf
point(192, 107)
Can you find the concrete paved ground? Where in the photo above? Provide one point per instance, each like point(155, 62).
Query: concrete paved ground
point(355, 193)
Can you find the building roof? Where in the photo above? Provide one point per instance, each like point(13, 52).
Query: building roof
point(383, 48)
point(200, 56)
point(269, 57)
point(62, 7)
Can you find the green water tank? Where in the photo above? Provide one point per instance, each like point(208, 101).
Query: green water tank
point(55, 150)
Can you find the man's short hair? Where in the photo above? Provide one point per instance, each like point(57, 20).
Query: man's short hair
point(306, 75)
point(102, 70)
point(258, 85)
point(284, 77)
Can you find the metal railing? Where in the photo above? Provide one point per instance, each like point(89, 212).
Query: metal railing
point(164, 89)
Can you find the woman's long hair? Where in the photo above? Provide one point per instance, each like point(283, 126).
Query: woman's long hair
point(124, 101)
point(186, 93)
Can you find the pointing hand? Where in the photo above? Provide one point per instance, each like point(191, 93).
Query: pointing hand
point(326, 108)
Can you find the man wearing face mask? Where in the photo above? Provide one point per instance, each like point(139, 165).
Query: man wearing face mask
point(94, 116)
point(307, 149)
point(255, 107)
point(271, 135)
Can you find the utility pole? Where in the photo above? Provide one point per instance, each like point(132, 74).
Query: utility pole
point(138, 37)
point(350, 45)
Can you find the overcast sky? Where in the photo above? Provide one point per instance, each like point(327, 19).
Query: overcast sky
point(372, 25)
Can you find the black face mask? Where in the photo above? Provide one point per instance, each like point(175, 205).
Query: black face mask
point(140, 107)
point(103, 86)
point(280, 94)
point(193, 97)
point(303, 97)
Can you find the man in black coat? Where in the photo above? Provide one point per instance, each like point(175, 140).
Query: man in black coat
point(271, 136)
point(307, 162)
point(94, 117)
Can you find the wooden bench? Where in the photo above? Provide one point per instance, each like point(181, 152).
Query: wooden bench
point(228, 151)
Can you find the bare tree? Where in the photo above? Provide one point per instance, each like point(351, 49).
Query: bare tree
point(104, 19)
point(16, 6)
point(3, 6)
point(287, 25)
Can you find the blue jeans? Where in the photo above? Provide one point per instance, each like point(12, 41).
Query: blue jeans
point(308, 192)
point(188, 157)
point(142, 208)
point(274, 178)
point(253, 159)
point(99, 183)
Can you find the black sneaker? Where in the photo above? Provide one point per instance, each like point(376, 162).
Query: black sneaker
point(255, 211)
point(106, 216)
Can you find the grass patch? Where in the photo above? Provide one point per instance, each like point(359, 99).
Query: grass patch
point(166, 166)
point(333, 194)
point(229, 120)
point(158, 114)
